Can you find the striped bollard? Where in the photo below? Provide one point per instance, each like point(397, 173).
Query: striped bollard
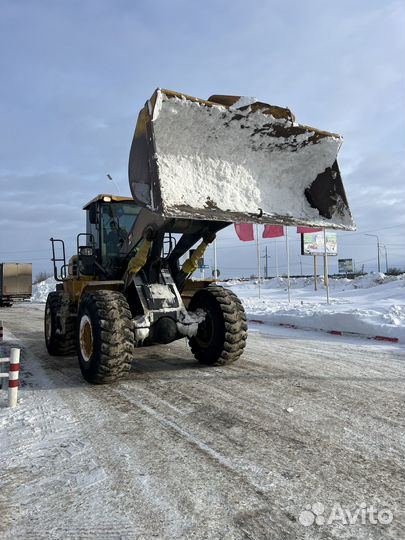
point(2, 381)
point(13, 374)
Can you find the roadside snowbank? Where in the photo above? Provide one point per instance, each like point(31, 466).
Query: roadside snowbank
point(41, 290)
point(372, 305)
point(341, 284)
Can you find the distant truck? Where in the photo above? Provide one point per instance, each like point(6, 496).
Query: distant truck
point(15, 282)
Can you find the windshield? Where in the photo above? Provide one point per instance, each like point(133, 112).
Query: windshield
point(117, 220)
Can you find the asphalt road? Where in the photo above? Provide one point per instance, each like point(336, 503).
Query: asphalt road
point(184, 451)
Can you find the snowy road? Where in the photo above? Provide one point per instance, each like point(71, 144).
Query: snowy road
point(184, 451)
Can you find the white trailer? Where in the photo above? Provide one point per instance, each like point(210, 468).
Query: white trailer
point(15, 282)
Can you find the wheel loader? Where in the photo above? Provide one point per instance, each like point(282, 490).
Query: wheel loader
point(195, 167)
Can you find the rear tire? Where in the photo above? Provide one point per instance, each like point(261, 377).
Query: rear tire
point(221, 338)
point(59, 325)
point(105, 337)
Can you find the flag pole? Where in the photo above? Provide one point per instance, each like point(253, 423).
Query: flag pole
point(215, 259)
point(288, 264)
point(325, 267)
point(276, 259)
point(258, 257)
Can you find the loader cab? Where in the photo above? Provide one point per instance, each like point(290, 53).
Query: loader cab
point(109, 220)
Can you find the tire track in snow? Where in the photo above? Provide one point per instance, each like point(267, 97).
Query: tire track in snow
point(185, 450)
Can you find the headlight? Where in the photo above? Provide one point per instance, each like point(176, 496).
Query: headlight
point(87, 251)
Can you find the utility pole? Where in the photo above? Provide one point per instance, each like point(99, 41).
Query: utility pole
point(378, 250)
point(266, 264)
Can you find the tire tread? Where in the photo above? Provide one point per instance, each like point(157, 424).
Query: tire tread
point(61, 344)
point(113, 325)
point(235, 328)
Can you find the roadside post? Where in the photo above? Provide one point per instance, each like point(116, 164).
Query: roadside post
point(315, 275)
point(276, 258)
point(288, 264)
point(13, 375)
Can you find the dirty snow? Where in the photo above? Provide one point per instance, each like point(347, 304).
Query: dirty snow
point(162, 292)
point(204, 162)
point(189, 321)
point(371, 305)
point(141, 328)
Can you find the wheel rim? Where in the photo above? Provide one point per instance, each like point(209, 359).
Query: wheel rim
point(48, 323)
point(86, 338)
point(205, 331)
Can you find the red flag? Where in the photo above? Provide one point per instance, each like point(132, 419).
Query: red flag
point(273, 231)
point(244, 231)
point(303, 230)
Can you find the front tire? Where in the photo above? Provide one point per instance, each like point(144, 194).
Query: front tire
point(105, 337)
point(221, 338)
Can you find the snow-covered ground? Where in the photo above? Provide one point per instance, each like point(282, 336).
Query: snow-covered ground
point(371, 305)
point(180, 450)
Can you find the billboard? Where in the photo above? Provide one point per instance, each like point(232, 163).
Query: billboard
point(345, 266)
point(312, 243)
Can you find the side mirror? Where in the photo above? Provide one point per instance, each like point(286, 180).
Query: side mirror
point(93, 214)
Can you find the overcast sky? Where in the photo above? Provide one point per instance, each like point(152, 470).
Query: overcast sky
point(76, 72)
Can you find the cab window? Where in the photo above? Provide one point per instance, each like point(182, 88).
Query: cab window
point(117, 220)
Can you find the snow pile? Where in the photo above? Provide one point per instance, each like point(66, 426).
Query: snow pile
point(208, 164)
point(373, 279)
point(41, 290)
point(371, 305)
point(335, 284)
